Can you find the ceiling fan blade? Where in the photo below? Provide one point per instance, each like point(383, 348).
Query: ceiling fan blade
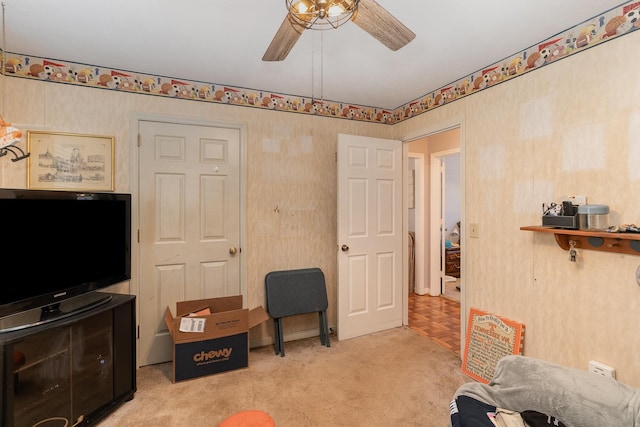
point(284, 40)
point(382, 25)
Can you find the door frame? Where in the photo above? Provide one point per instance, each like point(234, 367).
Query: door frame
point(419, 211)
point(437, 215)
point(134, 122)
point(419, 133)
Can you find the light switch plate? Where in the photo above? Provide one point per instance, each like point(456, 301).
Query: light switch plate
point(474, 230)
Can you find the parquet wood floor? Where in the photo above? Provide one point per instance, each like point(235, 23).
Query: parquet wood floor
point(436, 318)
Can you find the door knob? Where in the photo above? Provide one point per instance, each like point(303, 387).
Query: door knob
point(344, 248)
point(233, 250)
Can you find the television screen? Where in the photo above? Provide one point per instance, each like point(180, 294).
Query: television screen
point(61, 244)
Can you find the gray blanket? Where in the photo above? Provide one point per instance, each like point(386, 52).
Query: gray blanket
point(577, 398)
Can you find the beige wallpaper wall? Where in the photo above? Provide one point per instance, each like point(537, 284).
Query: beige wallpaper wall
point(291, 172)
point(569, 128)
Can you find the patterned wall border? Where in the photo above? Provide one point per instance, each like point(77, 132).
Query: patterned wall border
point(618, 21)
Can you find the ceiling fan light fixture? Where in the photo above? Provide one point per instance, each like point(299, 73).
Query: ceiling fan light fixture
point(321, 14)
point(327, 14)
point(300, 7)
point(335, 10)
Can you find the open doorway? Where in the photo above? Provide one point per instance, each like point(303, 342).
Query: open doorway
point(430, 157)
point(435, 163)
point(446, 210)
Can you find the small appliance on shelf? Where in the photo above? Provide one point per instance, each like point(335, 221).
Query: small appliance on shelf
point(564, 215)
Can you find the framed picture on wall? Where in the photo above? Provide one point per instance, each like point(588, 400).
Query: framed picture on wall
point(69, 161)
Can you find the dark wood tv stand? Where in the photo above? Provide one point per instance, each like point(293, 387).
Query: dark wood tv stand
point(74, 370)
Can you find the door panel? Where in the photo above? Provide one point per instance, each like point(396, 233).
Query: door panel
point(369, 235)
point(189, 201)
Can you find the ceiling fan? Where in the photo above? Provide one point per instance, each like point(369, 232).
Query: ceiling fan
point(325, 14)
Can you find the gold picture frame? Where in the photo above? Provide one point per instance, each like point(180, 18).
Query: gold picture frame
point(70, 161)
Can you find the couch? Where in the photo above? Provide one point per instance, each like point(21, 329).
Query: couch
point(575, 397)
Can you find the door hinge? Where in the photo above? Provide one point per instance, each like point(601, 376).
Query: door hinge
point(139, 140)
point(138, 235)
point(138, 337)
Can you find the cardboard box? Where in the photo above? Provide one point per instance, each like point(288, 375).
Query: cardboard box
point(223, 344)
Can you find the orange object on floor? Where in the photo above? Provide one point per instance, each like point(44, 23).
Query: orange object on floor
point(252, 418)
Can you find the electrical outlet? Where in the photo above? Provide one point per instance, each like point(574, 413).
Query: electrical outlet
point(601, 369)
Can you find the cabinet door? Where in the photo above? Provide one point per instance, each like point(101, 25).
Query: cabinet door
point(92, 363)
point(69, 370)
point(42, 387)
point(67, 374)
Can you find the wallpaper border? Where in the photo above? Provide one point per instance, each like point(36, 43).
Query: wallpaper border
point(609, 25)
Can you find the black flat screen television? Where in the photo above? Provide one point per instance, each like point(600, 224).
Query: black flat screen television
point(59, 245)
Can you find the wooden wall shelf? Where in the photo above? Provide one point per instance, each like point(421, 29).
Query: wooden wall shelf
point(623, 243)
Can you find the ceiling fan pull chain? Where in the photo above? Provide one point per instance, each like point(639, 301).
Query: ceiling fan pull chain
point(322, 67)
point(313, 73)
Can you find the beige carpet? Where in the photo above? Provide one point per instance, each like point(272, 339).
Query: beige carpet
point(391, 378)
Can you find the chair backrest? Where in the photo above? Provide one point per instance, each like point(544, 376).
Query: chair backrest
point(291, 292)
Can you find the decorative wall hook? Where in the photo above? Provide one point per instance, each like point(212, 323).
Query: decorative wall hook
point(18, 153)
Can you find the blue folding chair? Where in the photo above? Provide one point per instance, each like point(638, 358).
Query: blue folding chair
point(292, 292)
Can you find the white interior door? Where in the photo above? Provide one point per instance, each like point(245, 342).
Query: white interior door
point(438, 217)
point(189, 227)
point(370, 240)
point(437, 224)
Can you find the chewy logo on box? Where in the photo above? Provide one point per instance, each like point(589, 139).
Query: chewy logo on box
point(212, 356)
point(195, 359)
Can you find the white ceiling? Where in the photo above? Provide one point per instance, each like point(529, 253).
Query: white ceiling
point(222, 42)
